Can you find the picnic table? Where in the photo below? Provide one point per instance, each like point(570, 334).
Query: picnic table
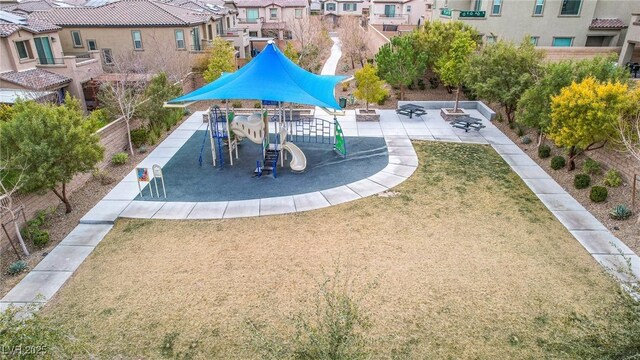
point(410, 110)
point(466, 123)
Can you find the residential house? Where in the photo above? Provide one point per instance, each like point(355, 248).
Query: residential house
point(271, 18)
point(334, 9)
point(32, 62)
point(227, 27)
point(558, 23)
point(399, 12)
point(631, 47)
point(146, 34)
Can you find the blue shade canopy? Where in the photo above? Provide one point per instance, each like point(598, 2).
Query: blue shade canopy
point(270, 76)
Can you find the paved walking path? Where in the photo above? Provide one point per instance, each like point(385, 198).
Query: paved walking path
point(47, 277)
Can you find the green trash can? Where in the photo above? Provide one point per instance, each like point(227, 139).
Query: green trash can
point(343, 102)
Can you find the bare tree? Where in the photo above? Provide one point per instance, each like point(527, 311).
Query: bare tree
point(176, 64)
point(123, 94)
point(353, 39)
point(629, 129)
point(7, 206)
point(312, 39)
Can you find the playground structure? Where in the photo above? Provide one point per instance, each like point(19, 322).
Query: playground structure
point(273, 79)
point(228, 130)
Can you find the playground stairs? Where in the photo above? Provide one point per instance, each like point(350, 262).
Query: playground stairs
point(270, 163)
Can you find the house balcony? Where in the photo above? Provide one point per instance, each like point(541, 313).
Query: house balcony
point(238, 36)
point(389, 19)
point(80, 69)
point(80, 56)
point(249, 20)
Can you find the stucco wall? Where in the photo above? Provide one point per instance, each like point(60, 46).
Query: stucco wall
point(516, 20)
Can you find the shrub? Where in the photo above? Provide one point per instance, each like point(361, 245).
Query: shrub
point(519, 131)
point(382, 101)
point(345, 86)
point(544, 151)
point(17, 267)
point(558, 162)
point(139, 137)
point(421, 84)
point(612, 178)
point(102, 177)
point(620, 212)
point(236, 104)
point(582, 181)
point(525, 140)
point(591, 167)
point(598, 194)
point(40, 237)
point(257, 105)
point(35, 336)
point(120, 158)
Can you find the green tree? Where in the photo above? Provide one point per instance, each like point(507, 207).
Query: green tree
point(400, 63)
point(159, 90)
point(222, 58)
point(502, 72)
point(291, 52)
point(534, 107)
point(584, 116)
point(54, 143)
point(369, 87)
point(434, 38)
point(454, 64)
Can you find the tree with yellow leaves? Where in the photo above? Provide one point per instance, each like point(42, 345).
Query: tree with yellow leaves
point(584, 116)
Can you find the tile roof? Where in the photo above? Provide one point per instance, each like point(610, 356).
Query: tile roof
point(607, 24)
point(18, 22)
point(144, 13)
point(265, 3)
point(35, 79)
point(215, 7)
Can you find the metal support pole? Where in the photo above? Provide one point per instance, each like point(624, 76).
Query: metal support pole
point(633, 193)
point(11, 242)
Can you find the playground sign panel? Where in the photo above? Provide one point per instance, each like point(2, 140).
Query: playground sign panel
point(157, 175)
point(142, 175)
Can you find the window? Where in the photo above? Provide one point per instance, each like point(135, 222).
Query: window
point(210, 31)
point(107, 56)
point(180, 39)
point(77, 40)
point(491, 39)
point(24, 50)
point(273, 13)
point(538, 8)
point(349, 7)
point(298, 13)
point(218, 29)
point(534, 40)
point(571, 7)
point(92, 45)
point(331, 7)
point(137, 39)
point(390, 10)
point(252, 15)
point(478, 5)
point(43, 48)
point(253, 33)
point(562, 41)
point(195, 39)
point(496, 9)
point(408, 8)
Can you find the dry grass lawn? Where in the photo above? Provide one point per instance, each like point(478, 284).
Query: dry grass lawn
point(463, 263)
